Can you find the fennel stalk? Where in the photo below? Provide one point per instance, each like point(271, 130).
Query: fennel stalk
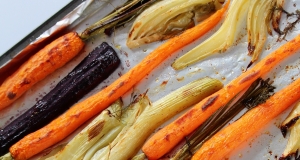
point(117, 18)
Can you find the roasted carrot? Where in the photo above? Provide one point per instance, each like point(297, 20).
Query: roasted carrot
point(43, 63)
point(81, 112)
point(233, 135)
point(165, 139)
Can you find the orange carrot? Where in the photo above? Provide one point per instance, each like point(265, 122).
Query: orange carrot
point(43, 63)
point(226, 140)
point(165, 139)
point(81, 112)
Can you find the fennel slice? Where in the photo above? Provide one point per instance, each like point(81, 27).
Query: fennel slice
point(259, 27)
point(159, 112)
point(104, 141)
point(269, 18)
point(129, 116)
point(219, 41)
point(290, 119)
point(102, 154)
point(262, 28)
point(293, 144)
point(166, 19)
point(251, 24)
point(84, 140)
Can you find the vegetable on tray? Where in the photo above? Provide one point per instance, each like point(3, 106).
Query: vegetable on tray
point(129, 116)
point(130, 10)
point(102, 130)
point(40, 65)
point(56, 54)
point(158, 145)
point(258, 21)
point(167, 18)
point(234, 134)
point(65, 124)
point(292, 124)
point(259, 91)
point(128, 145)
point(258, 14)
point(95, 68)
point(221, 40)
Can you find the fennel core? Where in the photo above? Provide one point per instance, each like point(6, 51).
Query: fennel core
point(256, 94)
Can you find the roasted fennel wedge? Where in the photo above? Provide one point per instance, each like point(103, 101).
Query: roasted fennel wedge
point(101, 131)
point(258, 20)
point(106, 122)
point(168, 18)
point(292, 124)
point(221, 40)
point(129, 117)
point(127, 145)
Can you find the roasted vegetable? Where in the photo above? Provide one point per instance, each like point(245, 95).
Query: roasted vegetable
point(118, 17)
point(60, 51)
point(221, 40)
point(43, 63)
point(96, 67)
point(292, 123)
point(107, 123)
point(129, 117)
point(168, 18)
point(65, 124)
point(290, 120)
point(128, 144)
point(113, 121)
point(253, 121)
point(184, 125)
point(258, 21)
point(256, 94)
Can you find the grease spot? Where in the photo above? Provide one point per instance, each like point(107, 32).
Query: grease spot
point(162, 86)
point(180, 79)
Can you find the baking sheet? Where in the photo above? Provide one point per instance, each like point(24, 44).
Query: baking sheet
point(267, 144)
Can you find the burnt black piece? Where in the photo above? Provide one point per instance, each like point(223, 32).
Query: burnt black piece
point(95, 68)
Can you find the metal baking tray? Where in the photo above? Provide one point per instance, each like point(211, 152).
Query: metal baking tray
point(267, 144)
